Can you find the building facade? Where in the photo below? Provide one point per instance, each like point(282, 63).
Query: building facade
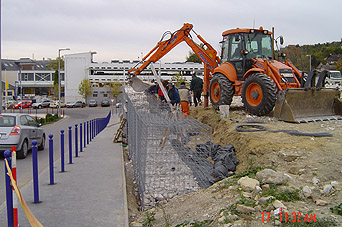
point(28, 78)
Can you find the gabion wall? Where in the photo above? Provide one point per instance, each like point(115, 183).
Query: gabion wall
point(162, 146)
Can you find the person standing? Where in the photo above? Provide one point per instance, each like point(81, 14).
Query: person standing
point(173, 94)
point(196, 86)
point(185, 98)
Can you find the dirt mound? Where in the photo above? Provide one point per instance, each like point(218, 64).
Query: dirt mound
point(311, 162)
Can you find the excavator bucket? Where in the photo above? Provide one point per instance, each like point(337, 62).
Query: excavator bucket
point(300, 105)
point(138, 85)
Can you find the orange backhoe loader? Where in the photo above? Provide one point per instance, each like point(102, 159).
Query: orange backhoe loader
point(247, 68)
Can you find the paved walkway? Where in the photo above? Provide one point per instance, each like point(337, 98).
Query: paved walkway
point(91, 192)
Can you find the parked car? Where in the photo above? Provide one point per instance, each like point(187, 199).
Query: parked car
point(75, 104)
point(22, 104)
point(20, 130)
point(55, 104)
point(9, 104)
point(105, 103)
point(39, 105)
point(92, 103)
point(118, 105)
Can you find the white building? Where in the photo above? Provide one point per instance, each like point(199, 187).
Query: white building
point(81, 66)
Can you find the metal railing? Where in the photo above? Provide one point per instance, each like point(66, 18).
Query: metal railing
point(162, 147)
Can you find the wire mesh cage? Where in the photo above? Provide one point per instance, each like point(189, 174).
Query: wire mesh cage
point(162, 146)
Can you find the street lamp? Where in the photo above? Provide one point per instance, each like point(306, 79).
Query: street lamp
point(310, 60)
point(59, 80)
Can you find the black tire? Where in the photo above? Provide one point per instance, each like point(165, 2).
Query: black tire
point(22, 153)
point(42, 144)
point(221, 90)
point(259, 94)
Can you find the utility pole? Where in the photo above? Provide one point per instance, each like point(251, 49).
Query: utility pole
point(59, 80)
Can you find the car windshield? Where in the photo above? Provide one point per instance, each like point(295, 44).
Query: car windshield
point(336, 75)
point(7, 121)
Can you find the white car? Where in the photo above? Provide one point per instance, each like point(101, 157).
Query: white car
point(20, 130)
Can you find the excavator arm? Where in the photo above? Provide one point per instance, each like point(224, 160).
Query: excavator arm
point(208, 56)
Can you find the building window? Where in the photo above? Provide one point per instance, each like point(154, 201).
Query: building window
point(27, 77)
point(43, 77)
point(94, 95)
point(105, 95)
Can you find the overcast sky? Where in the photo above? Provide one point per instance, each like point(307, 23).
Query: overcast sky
point(123, 29)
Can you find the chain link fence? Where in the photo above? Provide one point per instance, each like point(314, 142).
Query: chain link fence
point(162, 147)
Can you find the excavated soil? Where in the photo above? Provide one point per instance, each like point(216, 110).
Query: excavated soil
point(303, 158)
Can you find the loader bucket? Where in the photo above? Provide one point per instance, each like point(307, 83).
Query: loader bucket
point(301, 105)
point(138, 85)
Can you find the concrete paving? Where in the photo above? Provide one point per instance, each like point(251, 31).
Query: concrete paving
point(92, 191)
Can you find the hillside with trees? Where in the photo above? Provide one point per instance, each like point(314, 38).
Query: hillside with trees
point(326, 53)
point(320, 53)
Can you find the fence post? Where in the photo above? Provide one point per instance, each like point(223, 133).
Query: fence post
point(76, 141)
point(81, 138)
point(15, 198)
point(9, 194)
point(35, 172)
point(52, 180)
point(87, 132)
point(84, 132)
point(62, 150)
point(70, 145)
point(91, 129)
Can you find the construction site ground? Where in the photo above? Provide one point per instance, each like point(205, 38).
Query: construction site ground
point(312, 163)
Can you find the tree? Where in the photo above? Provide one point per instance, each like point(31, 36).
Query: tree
point(193, 58)
point(85, 89)
point(116, 89)
point(55, 83)
point(54, 64)
point(178, 78)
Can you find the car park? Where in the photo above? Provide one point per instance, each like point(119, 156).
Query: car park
point(22, 104)
point(42, 104)
point(55, 104)
point(20, 130)
point(75, 104)
point(92, 103)
point(105, 103)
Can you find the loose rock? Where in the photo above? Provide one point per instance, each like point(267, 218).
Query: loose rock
point(307, 192)
point(249, 184)
point(320, 202)
point(270, 176)
point(245, 209)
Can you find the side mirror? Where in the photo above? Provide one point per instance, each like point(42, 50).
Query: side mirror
point(237, 38)
point(281, 40)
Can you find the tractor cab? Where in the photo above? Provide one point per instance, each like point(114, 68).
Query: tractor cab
point(240, 46)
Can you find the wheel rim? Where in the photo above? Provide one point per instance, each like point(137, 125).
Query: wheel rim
point(215, 92)
point(254, 94)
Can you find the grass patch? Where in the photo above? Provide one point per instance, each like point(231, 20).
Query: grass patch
point(149, 219)
point(205, 223)
point(337, 209)
point(49, 119)
point(283, 195)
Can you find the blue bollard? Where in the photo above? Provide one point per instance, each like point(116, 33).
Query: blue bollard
point(76, 141)
point(81, 138)
point(35, 172)
point(9, 193)
point(84, 137)
point(62, 151)
point(70, 145)
point(87, 132)
point(52, 180)
point(91, 129)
